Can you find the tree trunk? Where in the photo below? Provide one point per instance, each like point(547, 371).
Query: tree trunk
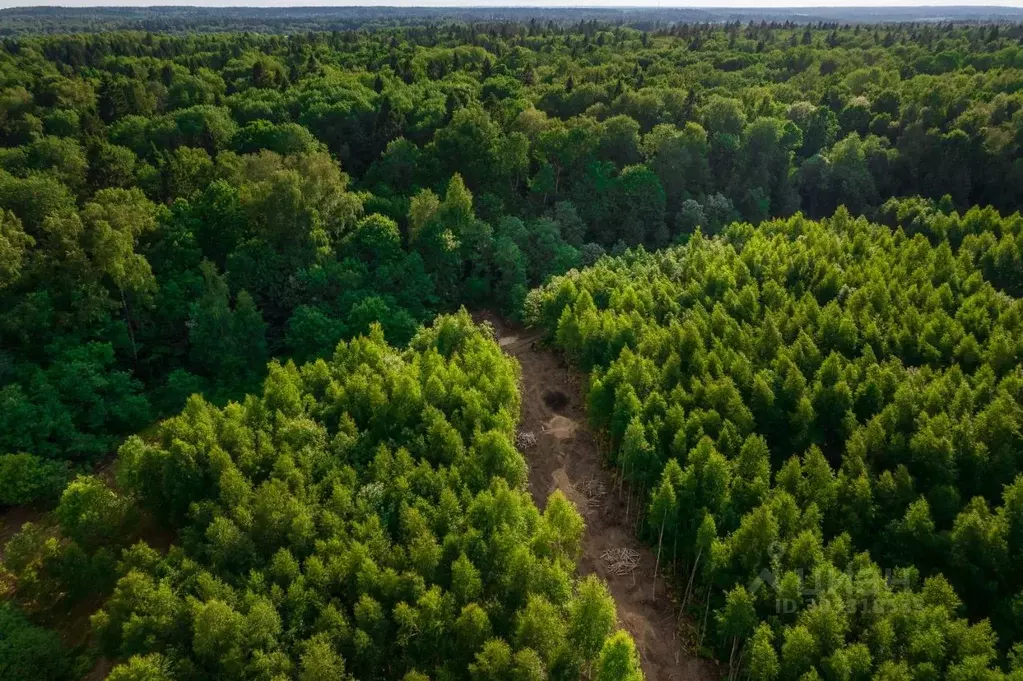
point(131, 331)
point(639, 511)
point(692, 576)
point(738, 660)
point(706, 613)
point(628, 504)
point(621, 471)
point(657, 562)
point(674, 553)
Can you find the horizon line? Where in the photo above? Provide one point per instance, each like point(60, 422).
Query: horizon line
point(455, 4)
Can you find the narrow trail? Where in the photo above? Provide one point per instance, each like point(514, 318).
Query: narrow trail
point(566, 457)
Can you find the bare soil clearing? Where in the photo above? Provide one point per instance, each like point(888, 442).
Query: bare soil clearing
point(566, 457)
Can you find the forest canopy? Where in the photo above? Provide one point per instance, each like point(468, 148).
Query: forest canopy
point(824, 418)
point(258, 436)
point(177, 209)
point(362, 517)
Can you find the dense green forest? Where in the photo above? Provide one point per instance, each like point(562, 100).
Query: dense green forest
point(803, 402)
point(315, 545)
point(788, 254)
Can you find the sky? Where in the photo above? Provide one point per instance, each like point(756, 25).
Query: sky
point(519, 3)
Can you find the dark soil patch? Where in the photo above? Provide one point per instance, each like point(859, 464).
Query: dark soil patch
point(555, 400)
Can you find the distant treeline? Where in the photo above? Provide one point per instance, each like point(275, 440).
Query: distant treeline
point(35, 20)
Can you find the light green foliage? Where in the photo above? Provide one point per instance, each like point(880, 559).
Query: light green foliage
point(618, 660)
point(13, 244)
point(25, 478)
point(141, 668)
point(422, 210)
point(92, 514)
point(591, 617)
point(371, 507)
point(829, 353)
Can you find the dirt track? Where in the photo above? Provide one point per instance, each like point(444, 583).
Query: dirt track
point(566, 457)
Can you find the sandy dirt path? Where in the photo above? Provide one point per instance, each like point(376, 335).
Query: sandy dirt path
point(566, 457)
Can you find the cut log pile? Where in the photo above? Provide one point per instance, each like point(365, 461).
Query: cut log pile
point(525, 439)
point(620, 561)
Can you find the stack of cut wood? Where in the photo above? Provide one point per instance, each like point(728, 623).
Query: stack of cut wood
point(525, 439)
point(621, 561)
point(594, 490)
